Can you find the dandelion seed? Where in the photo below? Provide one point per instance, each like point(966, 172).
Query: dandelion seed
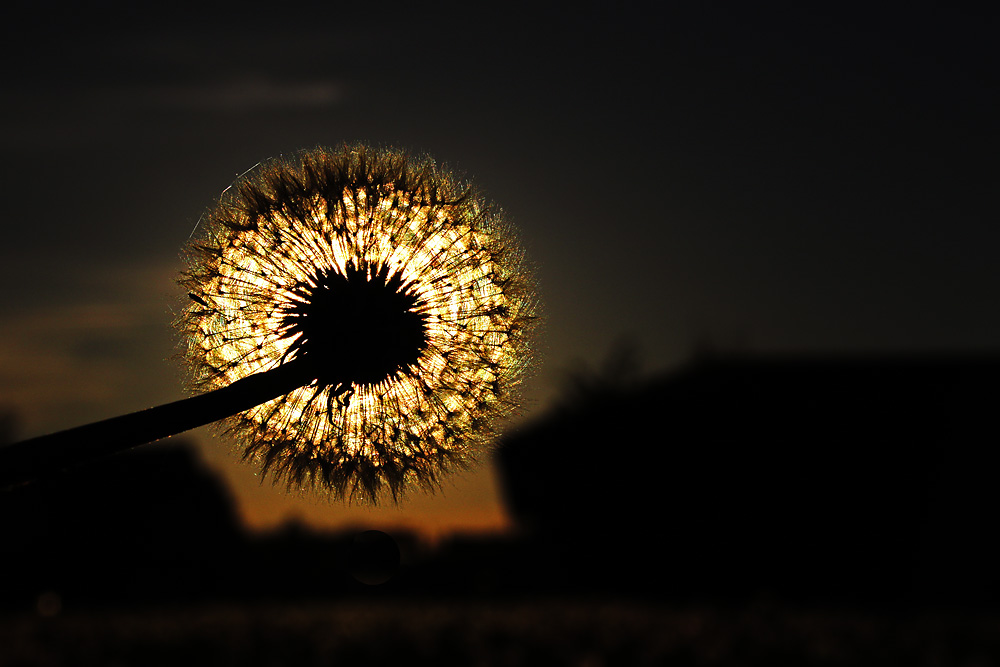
point(400, 298)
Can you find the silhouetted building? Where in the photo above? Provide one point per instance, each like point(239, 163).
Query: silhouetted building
point(861, 480)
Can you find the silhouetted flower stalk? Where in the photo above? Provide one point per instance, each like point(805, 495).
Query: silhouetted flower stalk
point(358, 319)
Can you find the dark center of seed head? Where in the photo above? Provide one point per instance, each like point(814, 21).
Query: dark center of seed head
point(361, 327)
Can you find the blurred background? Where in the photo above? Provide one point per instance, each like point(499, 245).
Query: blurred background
point(766, 245)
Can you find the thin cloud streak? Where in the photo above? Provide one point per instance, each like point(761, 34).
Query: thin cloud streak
point(29, 114)
point(241, 95)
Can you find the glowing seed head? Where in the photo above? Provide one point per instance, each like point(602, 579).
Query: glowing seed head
point(407, 296)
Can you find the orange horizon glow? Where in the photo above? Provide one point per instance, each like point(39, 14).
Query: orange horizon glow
point(469, 503)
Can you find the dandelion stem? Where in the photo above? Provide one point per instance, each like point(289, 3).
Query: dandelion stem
point(31, 459)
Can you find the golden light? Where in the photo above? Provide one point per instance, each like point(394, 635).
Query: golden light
point(401, 290)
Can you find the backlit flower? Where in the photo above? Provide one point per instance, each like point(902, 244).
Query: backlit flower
point(403, 297)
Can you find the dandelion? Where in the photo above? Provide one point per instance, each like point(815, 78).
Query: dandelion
point(368, 316)
point(404, 295)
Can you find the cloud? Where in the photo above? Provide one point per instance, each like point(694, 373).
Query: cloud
point(50, 362)
point(55, 115)
point(236, 94)
point(242, 94)
point(99, 352)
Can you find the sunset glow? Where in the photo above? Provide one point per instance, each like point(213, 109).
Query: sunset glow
point(278, 235)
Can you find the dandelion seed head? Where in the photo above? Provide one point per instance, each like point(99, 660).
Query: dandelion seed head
point(406, 293)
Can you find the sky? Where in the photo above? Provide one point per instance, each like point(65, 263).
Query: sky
point(810, 180)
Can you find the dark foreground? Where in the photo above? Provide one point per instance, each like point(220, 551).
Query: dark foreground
point(855, 496)
point(546, 632)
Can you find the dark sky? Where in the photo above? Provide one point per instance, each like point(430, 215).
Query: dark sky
point(812, 180)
